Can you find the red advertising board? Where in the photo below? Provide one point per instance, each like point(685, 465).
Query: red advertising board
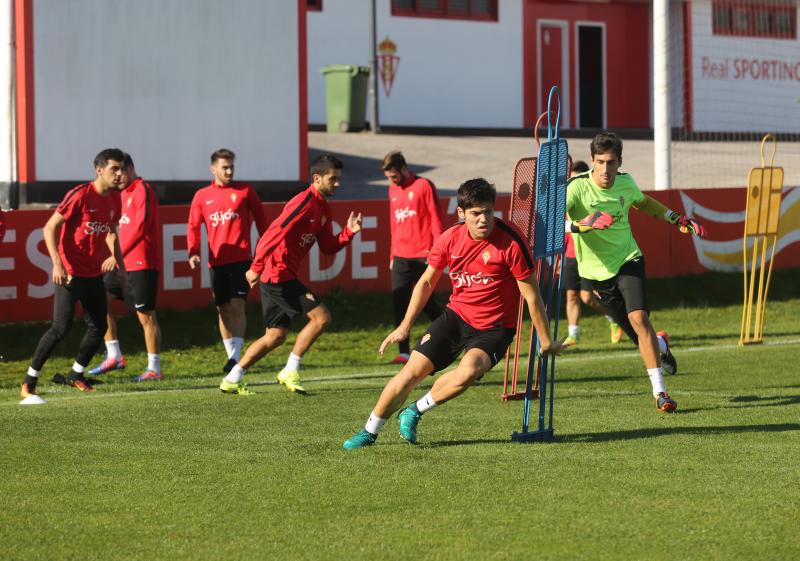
point(26, 290)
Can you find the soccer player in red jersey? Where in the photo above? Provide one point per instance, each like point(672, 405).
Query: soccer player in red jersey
point(416, 222)
point(82, 242)
point(490, 265)
point(228, 210)
point(305, 219)
point(138, 238)
point(2, 224)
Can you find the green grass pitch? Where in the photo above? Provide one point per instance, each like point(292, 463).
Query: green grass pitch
point(176, 470)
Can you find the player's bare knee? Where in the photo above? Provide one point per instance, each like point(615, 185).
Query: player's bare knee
point(324, 320)
point(639, 321)
point(274, 336)
point(147, 319)
point(587, 297)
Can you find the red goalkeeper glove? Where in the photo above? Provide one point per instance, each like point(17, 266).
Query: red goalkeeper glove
point(595, 221)
point(686, 224)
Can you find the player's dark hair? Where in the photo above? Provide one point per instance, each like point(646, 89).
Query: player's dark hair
point(104, 156)
point(222, 154)
point(580, 167)
point(127, 161)
point(394, 161)
point(324, 163)
point(476, 192)
point(605, 142)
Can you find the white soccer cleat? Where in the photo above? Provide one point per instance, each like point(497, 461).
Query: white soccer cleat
point(32, 400)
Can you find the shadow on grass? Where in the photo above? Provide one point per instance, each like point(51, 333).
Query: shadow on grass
point(592, 437)
point(760, 400)
point(667, 431)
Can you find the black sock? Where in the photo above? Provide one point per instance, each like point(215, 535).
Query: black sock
point(31, 381)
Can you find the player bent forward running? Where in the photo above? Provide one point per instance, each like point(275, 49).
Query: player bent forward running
point(490, 265)
point(305, 219)
point(609, 257)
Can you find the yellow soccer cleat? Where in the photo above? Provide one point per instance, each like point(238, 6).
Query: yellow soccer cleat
point(291, 379)
point(570, 341)
point(616, 333)
point(230, 387)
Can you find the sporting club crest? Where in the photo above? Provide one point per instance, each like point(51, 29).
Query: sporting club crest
point(388, 62)
point(486, 256)
point(234, 196)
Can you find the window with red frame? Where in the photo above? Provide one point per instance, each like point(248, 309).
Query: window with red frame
point(314, 5)
point(775, 20)
point(482, 10)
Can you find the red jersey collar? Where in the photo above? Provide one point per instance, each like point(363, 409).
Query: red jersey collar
point(407, 183)
point(316, 193)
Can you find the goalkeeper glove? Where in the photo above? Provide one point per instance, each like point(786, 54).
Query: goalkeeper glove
point(595, 221)
point(684, 223)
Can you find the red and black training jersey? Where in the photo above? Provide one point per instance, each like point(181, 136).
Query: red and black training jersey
point(228, 212)
point(89, 217)
point(305, 219)
point(415, 217)
point(138, 227)
point(484, 273)
point(2, 224)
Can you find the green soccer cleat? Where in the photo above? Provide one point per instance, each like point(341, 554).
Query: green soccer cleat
point(409, 419)
point(230, 387)
point(570, 341)
point(291, 379)
point(361, 439)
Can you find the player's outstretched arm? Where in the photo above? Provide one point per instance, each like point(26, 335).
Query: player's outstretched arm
point(684, 223)
point(533, 299)
point(594, 221)
point(419, 297)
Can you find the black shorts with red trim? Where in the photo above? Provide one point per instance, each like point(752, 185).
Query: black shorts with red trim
point(449, 335)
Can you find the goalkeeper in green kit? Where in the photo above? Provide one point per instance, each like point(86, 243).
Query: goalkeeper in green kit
point(598, 202)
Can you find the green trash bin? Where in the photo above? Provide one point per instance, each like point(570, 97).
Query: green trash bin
point(345, 96)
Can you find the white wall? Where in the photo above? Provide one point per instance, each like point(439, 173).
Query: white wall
point(7, 132)
point(725, 101)
point(452, 73)
point(170, 81)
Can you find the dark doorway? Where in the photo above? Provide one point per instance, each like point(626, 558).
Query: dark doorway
point(591, 76)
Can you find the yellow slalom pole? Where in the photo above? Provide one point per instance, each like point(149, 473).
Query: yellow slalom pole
point(766, 288)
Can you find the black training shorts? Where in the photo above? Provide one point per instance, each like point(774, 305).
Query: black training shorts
point(624, 292)
point(228, 282)
point(449, 335)
point(281, 301)
point(142, 289)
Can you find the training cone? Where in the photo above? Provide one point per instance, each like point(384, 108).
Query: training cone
point(32, 400)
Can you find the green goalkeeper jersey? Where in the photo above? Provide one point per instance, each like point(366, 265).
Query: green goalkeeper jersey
point(601, 253)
